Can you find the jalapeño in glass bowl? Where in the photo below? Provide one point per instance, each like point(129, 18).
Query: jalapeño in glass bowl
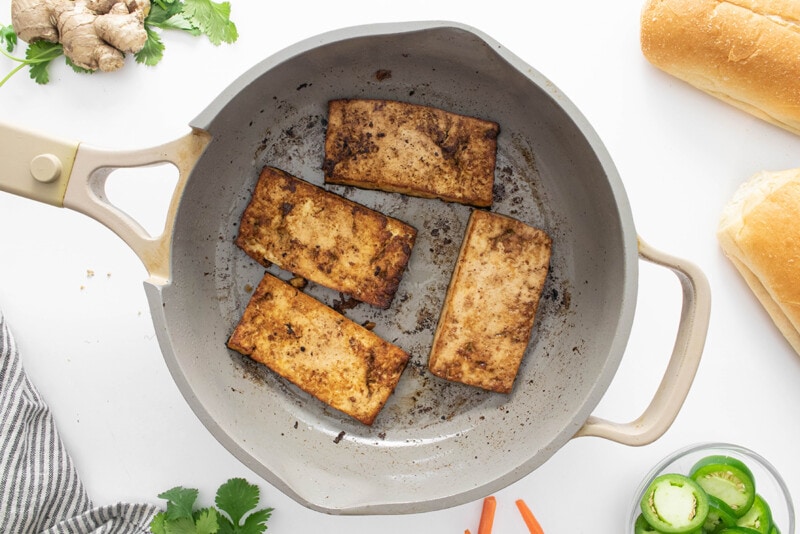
point(712, 488)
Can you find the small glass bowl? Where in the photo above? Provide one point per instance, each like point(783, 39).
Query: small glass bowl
point(769, 483)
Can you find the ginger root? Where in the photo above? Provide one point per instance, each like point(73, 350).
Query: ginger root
point(95, 34)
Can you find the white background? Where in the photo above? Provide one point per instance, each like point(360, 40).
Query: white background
point(88, 343)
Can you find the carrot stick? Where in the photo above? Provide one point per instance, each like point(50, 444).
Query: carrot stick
point(530, 520)
point(467, 532)
point(487, 515)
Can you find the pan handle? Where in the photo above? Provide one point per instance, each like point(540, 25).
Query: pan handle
point(69, 174)
point(86, 193)
point(683, 363)
point(35, 166)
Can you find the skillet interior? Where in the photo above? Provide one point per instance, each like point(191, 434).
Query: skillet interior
point(435, 444)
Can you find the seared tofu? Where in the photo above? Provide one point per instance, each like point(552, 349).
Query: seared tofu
point(491, 302)
point(411, 149)
point(321, 351)
point(325, 238)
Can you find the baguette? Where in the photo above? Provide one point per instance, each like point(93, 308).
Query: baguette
point(325, 238)
point(411, 149)
point(491, 302)
point(743, 52)
point(759, 231)
point(318, 349)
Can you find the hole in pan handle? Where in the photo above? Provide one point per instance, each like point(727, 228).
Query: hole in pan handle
point(69, 174)
point(683, 363)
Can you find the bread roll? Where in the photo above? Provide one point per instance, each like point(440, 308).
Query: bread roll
point(744, 52)
point(760, 232)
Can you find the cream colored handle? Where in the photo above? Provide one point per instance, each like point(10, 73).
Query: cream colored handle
point(683, 363)
point(35, 166)
point(86, 193)
point(72, 175)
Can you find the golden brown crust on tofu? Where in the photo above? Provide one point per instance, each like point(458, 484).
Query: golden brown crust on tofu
point(321, 351)
point(411, 149)
point(325, 238)
point(491, 303)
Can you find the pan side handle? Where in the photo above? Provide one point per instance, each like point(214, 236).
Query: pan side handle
point(86, 193)
point(683, 363)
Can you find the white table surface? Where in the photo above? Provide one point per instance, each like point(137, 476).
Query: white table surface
point(88, 343)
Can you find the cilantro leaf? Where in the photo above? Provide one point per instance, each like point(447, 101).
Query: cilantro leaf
point(256, 523)
point(38, 56)
point(179, 22)
point(205, 521)
point(160, 13)
point(163, 4)
point(213, 19)
point(180, 502)
point(169, 16)
point(9, 37)
point(237, 497)
point(153, 50)
point(184, 525)
point(159, 523)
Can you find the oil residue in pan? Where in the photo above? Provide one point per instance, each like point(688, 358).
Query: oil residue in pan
point(420, 399)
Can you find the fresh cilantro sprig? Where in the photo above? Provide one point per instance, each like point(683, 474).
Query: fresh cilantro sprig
point(235, 511)
point(37, 57)
point(196, 17)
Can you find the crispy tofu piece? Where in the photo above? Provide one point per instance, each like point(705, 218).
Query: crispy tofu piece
point(411, 149)
point(491, 302)
point(321, 351)
point(325, 238)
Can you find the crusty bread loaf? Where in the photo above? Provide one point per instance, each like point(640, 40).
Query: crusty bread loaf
point(325, 238)
point(411, 149)
point(318, 349)
point(760, 232)
point(491, 303)
point(744, 52)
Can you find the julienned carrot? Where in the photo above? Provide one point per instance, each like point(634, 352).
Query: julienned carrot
point(530, 520)
point(487, 515)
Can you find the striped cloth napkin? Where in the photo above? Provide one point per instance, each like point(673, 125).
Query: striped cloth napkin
point(40, 492)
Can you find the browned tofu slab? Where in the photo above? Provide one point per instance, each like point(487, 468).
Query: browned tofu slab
point(411, 149)
point(491, 302)
point(321, 351)
point(325, 238)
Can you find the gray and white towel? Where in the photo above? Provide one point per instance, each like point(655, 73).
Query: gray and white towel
point(40, 491)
